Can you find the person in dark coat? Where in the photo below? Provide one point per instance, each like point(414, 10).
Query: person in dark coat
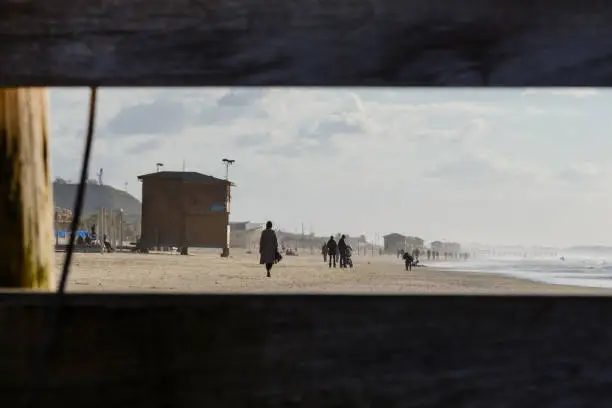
point(342, 251)
point(408, 260)
point(332, 251)
point(268, 248)
point(324, 252)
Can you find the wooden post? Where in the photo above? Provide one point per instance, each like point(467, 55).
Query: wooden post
point(26, 207)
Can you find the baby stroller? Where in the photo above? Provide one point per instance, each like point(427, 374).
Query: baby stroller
point(347, 257)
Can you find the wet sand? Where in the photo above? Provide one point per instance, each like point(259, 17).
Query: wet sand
point(207, 272)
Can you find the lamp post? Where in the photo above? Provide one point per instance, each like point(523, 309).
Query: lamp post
point(158, 165)
point(121, 229)
point(227, 162)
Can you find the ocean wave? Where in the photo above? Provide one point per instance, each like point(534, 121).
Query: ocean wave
point(578, 271)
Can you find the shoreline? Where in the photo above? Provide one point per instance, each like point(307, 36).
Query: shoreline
point(241, 273)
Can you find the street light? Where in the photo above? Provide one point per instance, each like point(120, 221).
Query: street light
point(121, 229)
point(158, 165)
point(227, 162)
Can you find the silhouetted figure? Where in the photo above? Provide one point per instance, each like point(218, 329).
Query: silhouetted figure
point(428, 254)
point(416, 253)
point(332, 251)
point(268, 248)
point(348, 257)
point(324, 252)
point(342, 251)
point(408, 260)
point(107, 243)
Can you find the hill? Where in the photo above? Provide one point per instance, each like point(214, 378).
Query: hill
point(96, 196)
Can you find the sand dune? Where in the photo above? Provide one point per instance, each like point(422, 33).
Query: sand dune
point(241, 273)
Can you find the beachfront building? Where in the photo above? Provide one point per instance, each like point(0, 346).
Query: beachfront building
point(245, 235)
point(394, 242)
point(397, 242)
point(413, 243)
point(453, 249)
point(184, 209)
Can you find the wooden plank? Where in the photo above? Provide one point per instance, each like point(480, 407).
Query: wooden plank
point(313, 351)
point(306, 42)
point(26, 208)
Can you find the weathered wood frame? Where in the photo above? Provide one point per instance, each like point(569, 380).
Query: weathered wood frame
point(269, 351)
point(305, 42)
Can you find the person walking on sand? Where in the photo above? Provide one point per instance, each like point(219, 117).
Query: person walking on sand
point(324, 252)
point(342, 251)
point(332, 251)
point(408, 260)
point(268, 248)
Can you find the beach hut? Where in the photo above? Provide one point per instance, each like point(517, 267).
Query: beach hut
point(184, 209)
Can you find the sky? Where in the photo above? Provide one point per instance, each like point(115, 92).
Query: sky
point(495, 166)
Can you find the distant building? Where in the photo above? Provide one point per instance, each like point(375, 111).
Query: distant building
point(452, 247)
point(446, 247)
point(437, 246)
point(397, 242)
point(414, 243)
point(245, 234)
point(394, 242)
point(184, 208)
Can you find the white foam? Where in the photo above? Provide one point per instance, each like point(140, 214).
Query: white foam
point(585, 271)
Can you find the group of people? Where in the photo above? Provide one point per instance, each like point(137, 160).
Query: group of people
point(334, 253)
point(435, 255)
point(337, 252)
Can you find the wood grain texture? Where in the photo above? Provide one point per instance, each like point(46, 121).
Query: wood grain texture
point(306, 42)
point(314, 351)
point(26, 205)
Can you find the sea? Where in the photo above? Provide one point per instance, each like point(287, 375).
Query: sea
point(580, 269)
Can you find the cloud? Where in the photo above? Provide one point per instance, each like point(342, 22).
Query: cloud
point(333, 125)
point(571, 92)
point(251, 139)
point(225, 115)
point(236, 104)
point(147, 145)
point(478, 169)
point(578, 173)
point(358, 103)
point(153, 118)
point(242, 97)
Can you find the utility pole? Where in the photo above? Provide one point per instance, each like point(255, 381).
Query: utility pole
point(373, 243)
point(121, 229)
point(227, 162)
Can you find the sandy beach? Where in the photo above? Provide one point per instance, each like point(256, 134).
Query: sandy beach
point(207, 272)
